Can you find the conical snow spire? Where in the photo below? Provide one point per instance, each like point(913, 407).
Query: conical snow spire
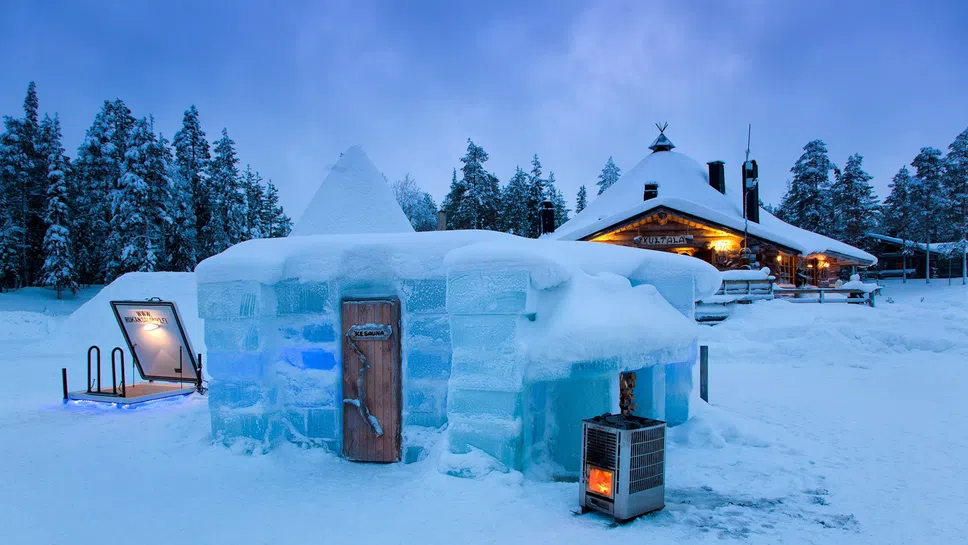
point(662, 142)
point(354, 198)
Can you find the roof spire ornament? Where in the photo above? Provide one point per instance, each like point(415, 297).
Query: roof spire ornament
point(662, 142)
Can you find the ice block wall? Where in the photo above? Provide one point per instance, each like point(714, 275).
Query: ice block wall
point(275, 356)
point(238, 318)
point(525, 413)
point(485, 390)
point(426, 361)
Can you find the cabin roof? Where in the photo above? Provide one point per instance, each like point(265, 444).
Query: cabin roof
point(684, 187)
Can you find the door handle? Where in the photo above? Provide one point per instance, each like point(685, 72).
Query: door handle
point(360, 402)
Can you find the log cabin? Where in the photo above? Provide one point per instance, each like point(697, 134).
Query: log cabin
point(669, 202)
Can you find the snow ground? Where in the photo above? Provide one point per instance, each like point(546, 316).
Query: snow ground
point(828, 424)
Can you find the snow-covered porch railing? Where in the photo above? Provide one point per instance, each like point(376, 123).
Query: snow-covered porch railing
point(743, 286)
point(855, 291)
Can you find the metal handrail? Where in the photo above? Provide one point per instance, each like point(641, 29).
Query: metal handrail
point(89, 383)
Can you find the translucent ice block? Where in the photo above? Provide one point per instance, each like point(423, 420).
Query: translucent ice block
point(234, 395)
point(428, 364)
point(294, 297)
point(678, 392)
point(229, 425)
point(485, 334)
point(233, 335)
point(426, 403)
point(498, 437)
point(425, 296)
point(487, 292)
point(227, 300)
point(650, 392)
point(235, 366)
point(314, 424)
point(502, 404)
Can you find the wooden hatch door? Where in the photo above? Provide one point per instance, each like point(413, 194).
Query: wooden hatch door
point(371, 381)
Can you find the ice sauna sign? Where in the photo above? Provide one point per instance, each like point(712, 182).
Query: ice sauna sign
point(157, 340)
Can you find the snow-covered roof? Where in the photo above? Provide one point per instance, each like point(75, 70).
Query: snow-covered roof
point(428, 255)
point(684, 186)
point(353, 198)
point(936, 247)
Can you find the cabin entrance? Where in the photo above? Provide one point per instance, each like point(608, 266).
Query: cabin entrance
point(371, 380)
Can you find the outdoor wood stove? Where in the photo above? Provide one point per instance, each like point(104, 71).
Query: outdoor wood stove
point(623, 465)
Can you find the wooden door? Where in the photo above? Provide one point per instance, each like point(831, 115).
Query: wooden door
point(371, 400)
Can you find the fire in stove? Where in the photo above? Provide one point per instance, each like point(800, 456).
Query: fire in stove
point(623, 465)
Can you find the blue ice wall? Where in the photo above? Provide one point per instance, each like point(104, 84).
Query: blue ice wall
point(275, 358)
point(534, 425)
point(485, 391)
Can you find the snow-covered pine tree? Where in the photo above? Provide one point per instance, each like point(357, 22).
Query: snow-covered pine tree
point(254, 195)
point(610, 174)
point(927, 194)
point(898, 214)
point(139, 206)
point(407, 194)
point(582, 200)
point(417, 205)
point(558, 200)
point(454, 205)
point(807, 203)
point(9, 236)
point(514, 197)
point(58, 268)
point(854, 203)
point(427, 213)
point(228, 203)
point(15, 166)
point(956, 191)
point(94, 167)
point(36, 131)
point(192, 157)
point(97, 172)
point(480, 205)
point(537, 192)
point(179, 235)
point(275, 220)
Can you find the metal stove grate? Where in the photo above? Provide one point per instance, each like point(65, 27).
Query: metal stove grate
point(646, 461)
point(601, 448)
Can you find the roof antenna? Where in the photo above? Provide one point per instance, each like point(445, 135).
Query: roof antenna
point(663, 126)
point(746, 225)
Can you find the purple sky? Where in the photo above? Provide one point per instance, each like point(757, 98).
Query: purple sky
point(574, 82)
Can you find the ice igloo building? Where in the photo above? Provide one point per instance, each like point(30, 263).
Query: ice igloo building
point(367, 343)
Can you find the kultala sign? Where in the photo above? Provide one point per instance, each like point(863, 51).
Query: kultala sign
point(663, 241)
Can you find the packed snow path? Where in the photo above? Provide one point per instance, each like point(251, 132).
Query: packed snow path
point(829, 424)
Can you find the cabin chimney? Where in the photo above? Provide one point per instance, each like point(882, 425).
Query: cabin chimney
point(717, 176)
point(441, 221)
point(751, 191)
point(546, 217)
point(650, 191)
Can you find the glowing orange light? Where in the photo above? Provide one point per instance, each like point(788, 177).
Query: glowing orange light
point(599, 481)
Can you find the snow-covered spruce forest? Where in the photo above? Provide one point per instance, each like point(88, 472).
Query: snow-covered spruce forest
point(926, 204)
point(129, 200)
